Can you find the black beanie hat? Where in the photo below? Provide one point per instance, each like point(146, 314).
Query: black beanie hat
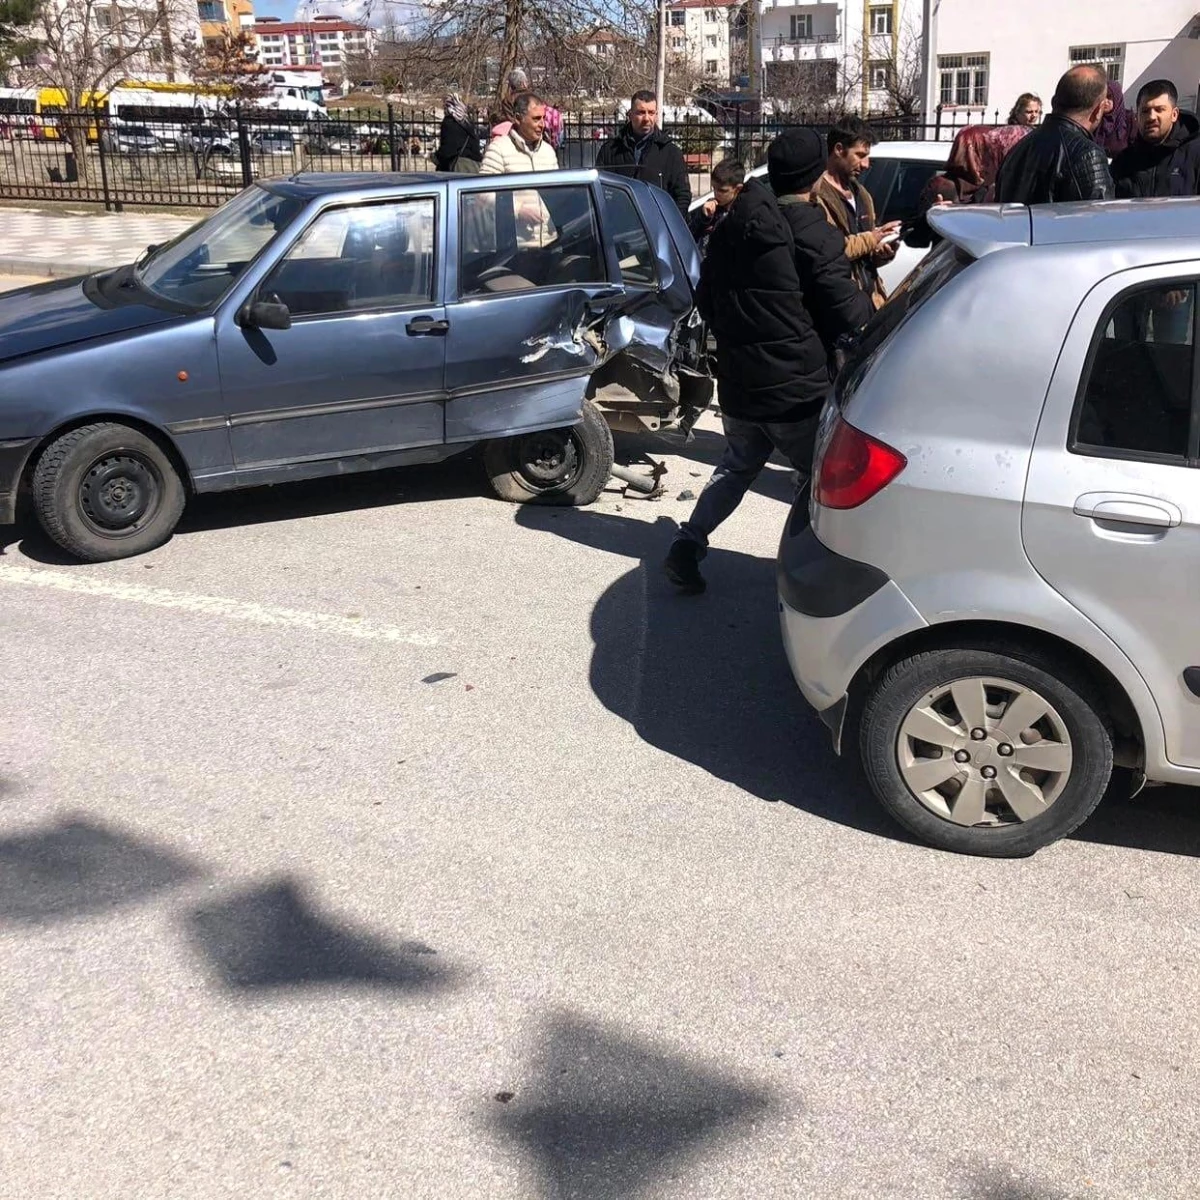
point(795, 161)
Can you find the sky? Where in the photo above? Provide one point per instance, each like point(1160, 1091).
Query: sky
point(305, 10)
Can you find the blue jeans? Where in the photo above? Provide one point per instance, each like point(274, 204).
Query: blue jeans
point(750, 444)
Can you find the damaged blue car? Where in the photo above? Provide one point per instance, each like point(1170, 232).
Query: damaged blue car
point(326, 324)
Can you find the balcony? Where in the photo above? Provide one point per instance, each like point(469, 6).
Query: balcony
point(767, 5)
point(815, 48)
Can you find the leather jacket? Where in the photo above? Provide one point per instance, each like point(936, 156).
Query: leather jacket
point(1057, 162)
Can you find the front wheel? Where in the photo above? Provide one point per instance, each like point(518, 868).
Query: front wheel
point(553, 466)
point(107, 491)
point(987, 753)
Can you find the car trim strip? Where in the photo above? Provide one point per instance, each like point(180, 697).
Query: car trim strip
point(265, 416)
point(510, 384)
point(198, 425)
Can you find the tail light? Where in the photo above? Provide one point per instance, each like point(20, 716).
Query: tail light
point(855, 467)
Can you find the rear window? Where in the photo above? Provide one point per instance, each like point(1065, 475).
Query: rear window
point(931, 275)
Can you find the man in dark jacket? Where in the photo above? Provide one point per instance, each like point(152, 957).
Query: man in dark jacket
point(771, 367)
point(795, 161)
point(642, 151)
point(1059, 161)
point(1164, 158)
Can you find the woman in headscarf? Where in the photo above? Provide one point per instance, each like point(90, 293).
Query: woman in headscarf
point(1027, 110)
point(970, 174)
point(516, 83)
point(1116, 126)
point(458, 146)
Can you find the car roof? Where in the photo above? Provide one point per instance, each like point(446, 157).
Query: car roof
point(313, 184)
point(981, 229)
point(932, 152)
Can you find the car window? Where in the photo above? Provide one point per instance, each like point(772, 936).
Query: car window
point(200, 266)
point(520, 239)
point(911, 178)
point(931, 275)
point(635, 255)
point(1136, 396)
point(365, 257)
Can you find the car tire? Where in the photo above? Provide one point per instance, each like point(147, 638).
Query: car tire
point(935, 694)
point(553, 466)
point(107, 491)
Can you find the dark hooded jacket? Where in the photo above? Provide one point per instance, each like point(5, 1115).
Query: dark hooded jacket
point(1058, 161)
point(661, 163)
point(771, 365)
point(1170, 168)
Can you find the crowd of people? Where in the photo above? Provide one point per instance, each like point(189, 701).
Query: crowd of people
point(791, 266)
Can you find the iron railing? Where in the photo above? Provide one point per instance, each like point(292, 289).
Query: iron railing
point(91, 157)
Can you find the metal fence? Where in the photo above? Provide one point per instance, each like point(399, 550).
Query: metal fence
point(91, 157)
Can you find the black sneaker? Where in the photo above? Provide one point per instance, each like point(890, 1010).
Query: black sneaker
point(683, 567)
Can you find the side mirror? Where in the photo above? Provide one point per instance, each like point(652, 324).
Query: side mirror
point(270, 313)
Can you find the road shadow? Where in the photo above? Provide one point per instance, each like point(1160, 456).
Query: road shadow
point(606, 1114)
point(78, 867)
point(272, 937)
point(705, 678)
point(1163, 820)
point(456, 479)
point(1000, 1183)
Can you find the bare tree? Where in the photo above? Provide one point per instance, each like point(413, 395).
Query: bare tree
point(86, 45)
point(888, 71)
point(228, 64)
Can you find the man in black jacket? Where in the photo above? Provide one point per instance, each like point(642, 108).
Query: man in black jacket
point(1164, 158)
point(1059, 161)
point(771, 367)
point(642, 151)
point(795, 161)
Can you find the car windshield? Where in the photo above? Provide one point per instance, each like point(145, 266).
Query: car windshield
point(931, 274)
point(278, 139)
point(135, 131)
point(201, 265)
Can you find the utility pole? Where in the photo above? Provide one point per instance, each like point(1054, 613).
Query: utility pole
point(754, 49)
point(928, 57)
point(660, 75)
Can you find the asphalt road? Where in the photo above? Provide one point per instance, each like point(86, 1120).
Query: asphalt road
point(376, 838)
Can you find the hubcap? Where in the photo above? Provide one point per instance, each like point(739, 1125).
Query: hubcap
point(985, 751)
point(118, 493)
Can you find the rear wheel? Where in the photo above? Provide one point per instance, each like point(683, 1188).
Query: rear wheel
point(986, 753)
point(553, 466)
point(107, 491)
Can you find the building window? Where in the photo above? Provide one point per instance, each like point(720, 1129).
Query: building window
point(711, 41)
point(710, 16)
point(801, 27)
point(881, 22)
point(679, 43)
point(211, 10)
point(963, 79)
point(1110, 58)
point(678, 19)
point(880, 74)
point(711, 66)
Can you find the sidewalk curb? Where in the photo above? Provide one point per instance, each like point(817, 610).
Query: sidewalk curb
point(51, 270)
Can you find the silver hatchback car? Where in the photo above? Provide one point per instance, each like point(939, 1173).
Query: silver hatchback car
point(996, 591)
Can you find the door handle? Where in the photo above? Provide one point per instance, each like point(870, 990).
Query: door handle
point(427, 326)
point(1129, 510)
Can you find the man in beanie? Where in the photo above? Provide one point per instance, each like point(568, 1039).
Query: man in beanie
point(772, 371)
point(795, 161)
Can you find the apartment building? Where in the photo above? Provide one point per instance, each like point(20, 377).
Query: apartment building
point(221, 20)
point(986, 55)
point(323, 46)
point(983, 53)
point(700, 35)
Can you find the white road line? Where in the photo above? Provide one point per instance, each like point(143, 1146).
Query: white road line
point(214, 606)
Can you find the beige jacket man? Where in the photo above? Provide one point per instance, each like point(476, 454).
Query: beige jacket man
point(512, 155)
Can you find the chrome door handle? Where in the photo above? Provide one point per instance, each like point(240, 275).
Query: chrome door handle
point(1129, 510)
point(424, 326)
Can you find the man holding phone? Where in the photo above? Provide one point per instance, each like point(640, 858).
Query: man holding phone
point(848, 207)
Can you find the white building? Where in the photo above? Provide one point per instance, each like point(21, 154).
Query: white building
point(322, 46)
point(988, 54)
point(984, 53)
point(699, 38)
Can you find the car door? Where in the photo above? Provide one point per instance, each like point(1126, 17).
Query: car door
point(1112, 505)
point(528, 269)
point(361, 369)
point(905, 182)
